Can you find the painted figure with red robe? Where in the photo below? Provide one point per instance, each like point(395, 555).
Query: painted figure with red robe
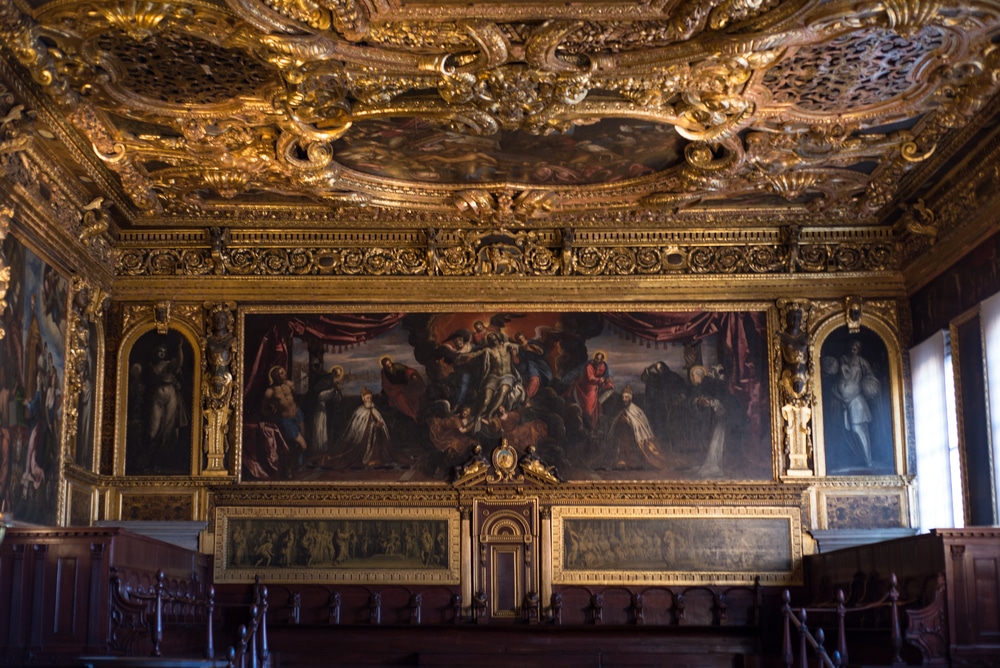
point(594, 379)
point(403, 387)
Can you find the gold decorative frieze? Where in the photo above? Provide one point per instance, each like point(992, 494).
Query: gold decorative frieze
point(499, 252)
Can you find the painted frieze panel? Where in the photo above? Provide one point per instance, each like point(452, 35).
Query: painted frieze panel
point(406, 397)
point(676, 545)
point(364, 545)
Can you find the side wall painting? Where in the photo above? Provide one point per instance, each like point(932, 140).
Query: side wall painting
point(31, 386)
point(603, 396)
point(857, 407)
point(87, 401)
point(159, 406)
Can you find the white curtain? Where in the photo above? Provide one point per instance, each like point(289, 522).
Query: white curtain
point(990, 313)
point(930, 409)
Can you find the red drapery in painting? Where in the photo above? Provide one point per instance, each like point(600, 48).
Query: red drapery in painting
point(745, 378)
point(347, 329)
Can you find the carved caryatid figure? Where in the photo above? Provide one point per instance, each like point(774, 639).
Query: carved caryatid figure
point(794, 347)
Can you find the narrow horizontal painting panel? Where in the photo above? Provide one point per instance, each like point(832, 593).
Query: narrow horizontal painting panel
point(675, 545)
point(400, 397)
point(367, 545)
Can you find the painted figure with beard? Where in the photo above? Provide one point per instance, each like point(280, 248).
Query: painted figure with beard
point(324, 402)
point(500, 383)
point(631, 443)
point(280, 405)
point(403, 387)
point(594, 379)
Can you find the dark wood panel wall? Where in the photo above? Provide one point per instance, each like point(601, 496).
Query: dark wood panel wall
point(55, 585)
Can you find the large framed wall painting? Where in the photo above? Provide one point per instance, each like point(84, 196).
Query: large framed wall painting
point(676, 545)
point(405, 397)
point(32, 376)
point(856, 394)
point(333, 545)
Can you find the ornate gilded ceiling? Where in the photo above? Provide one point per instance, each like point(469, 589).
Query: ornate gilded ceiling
point(575, 114)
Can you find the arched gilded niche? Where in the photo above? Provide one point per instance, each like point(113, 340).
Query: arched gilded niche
point(857, 370)
point(507, 569)
point(158, 414)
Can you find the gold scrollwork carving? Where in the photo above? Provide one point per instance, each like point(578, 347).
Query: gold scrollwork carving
point(89, 304)
point(794, 383)
point(219, 347)
point(6, 213)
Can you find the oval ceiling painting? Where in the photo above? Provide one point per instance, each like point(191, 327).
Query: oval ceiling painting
point(608, 151)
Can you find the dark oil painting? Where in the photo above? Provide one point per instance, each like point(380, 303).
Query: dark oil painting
point(857, 407)
point(679, 544)
point(359, 544)
point(160, 400)
point(86, 402)
point(32, 367)
point(602, 396)
point(413, 149)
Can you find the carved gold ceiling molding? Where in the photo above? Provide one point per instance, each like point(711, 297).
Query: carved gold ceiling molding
point(511, 114)
point(505, 252)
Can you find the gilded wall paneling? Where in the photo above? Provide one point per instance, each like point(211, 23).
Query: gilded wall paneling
point(868, 507)
point(369, 544)
point(159, 391)
point(164, 503)
point(858, 408)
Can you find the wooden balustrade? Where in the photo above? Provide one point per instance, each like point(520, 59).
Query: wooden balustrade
point(796, 619)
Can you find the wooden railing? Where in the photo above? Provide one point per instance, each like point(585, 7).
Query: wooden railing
point(141, 611)
point(795, 618)
point(251, 651)
point(658, 606)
